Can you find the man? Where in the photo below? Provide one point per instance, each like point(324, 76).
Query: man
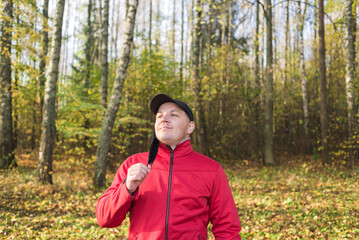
point(172, 192)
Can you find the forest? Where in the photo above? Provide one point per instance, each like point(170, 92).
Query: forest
point(272, 83)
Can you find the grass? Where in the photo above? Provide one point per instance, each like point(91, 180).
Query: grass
point(301, 200)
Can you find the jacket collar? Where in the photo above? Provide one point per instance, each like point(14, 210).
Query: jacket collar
point(181, 149)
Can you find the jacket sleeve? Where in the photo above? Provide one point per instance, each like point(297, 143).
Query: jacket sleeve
point(222, 209)
point(114, 204)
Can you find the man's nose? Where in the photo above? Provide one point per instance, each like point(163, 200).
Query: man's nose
point(165, 117)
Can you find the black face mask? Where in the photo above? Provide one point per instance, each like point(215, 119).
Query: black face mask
point(153, 149)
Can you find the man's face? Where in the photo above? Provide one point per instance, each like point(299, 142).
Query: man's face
point(172, 124)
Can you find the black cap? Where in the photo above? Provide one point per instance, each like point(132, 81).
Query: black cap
point(161, 98)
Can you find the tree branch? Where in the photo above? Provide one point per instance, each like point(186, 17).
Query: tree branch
point(306, 2)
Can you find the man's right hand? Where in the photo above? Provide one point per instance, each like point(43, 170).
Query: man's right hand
point(136, 174)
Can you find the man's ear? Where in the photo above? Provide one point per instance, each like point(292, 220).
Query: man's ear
point(191, 127)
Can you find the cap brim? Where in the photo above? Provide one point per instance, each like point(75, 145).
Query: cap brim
point(158, 100)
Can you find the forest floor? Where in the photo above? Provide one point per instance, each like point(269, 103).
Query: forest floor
point(301, 200)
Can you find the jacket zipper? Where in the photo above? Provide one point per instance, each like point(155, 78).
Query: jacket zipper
point(169, 195)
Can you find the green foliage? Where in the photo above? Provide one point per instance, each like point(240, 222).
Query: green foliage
point(229, 94)
point(26, 38)
point(133, 126)
point(134, 122)
point(79, 113)
point(148, 76)
point(228, 86)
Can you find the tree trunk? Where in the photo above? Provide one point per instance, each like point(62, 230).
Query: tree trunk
point(6, 121)
point(158, 26)
point(33, 129)
point(261, 55)
point(97, 39)
point(88, 72)
point(350, 64)
point(224, 46)
point(74, 43)
point(34, 121)
point(182, 40)
point(197, 80)
point(127, 5)
point(268, 105)
point(303, 77)
point(315, 20)
point(49, 112)
point(113, 105)
point(173, 31)
point(257, 87)
point(104, 51)
point(116, 32)
point(350, 73)
point(323, 86)
point(65, 43)
point(16, 88)
point(286, 107)
point(150, 33)
point(43, 53)
point(228, 55)
point(88, 47)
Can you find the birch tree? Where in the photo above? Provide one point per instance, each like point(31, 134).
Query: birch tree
point(150, 32)
point(323, 86)
point(16, 84)
point(257, 85)
point(86, 85)
point(197, 80)
point(104, 52)
point(350, 63)
point(116, 95)
point(303, 77)
point(286, 110)
point(88, 47)
point(47, 141)
point(268, 104)
point(43, 52)
point(350, 69)
point(182, 43)
point(173, 30)
point(6, 121)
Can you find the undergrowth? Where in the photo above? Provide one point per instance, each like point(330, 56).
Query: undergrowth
point(301, 200)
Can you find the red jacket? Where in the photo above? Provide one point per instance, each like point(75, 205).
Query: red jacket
point(182, 193)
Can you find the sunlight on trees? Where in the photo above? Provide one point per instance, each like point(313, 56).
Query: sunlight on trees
point(225, 46)
point(270, 82)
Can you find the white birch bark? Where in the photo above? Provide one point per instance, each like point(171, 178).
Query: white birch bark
point(43, 52)
point(104, 51)
point(49, 111)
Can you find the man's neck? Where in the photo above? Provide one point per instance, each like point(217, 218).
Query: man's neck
point(174, 146)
